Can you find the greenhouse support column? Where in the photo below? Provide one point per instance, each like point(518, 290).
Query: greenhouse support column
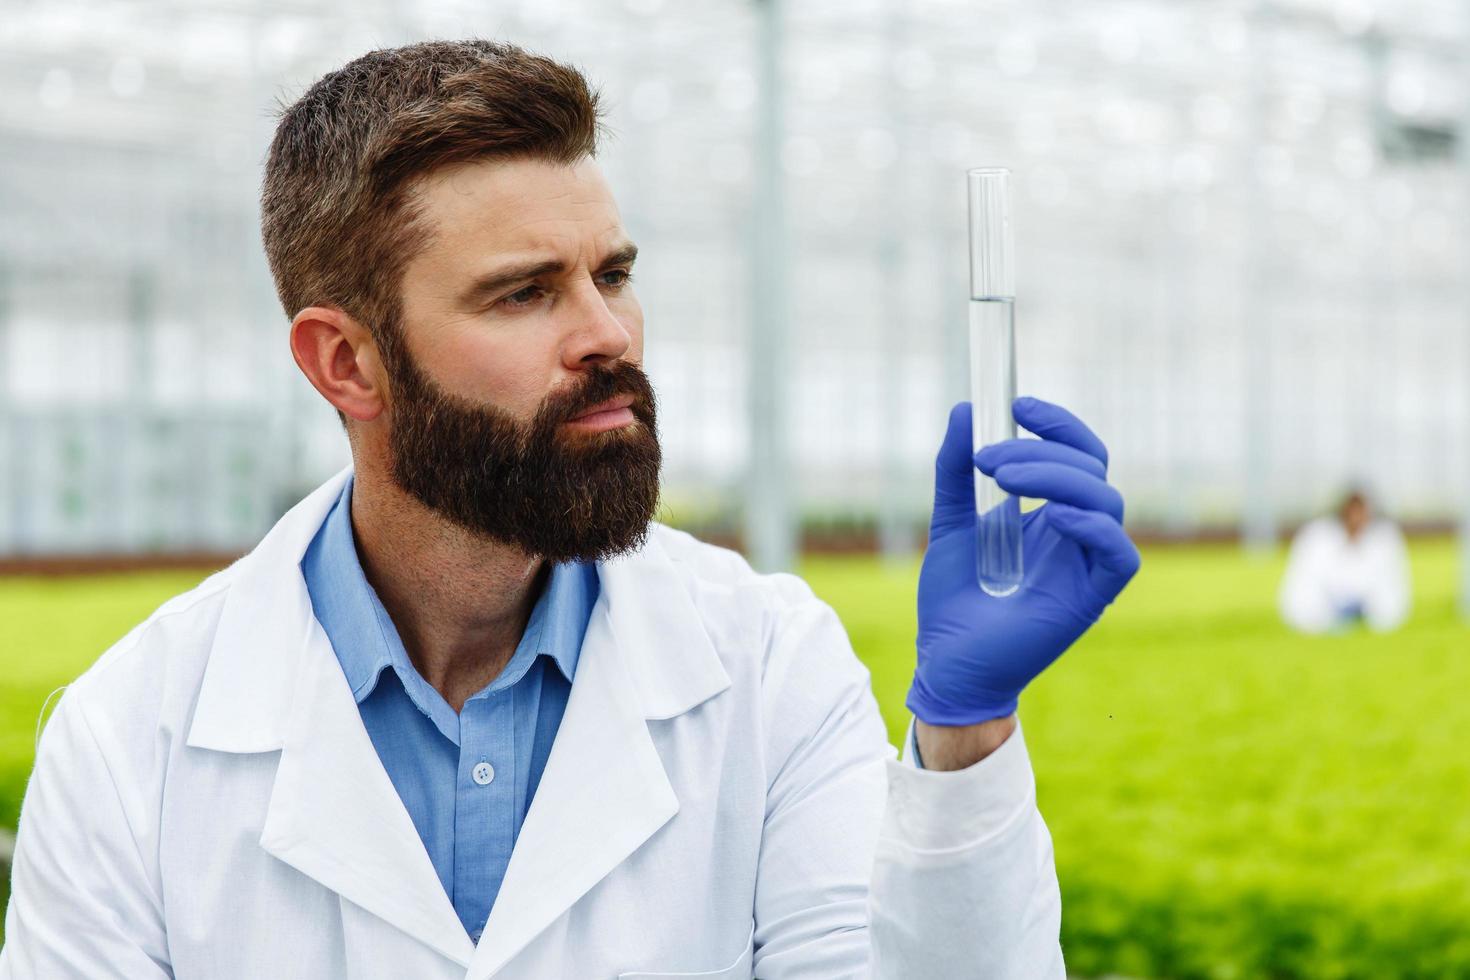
point(1258, 506)
point(10, 497)
point(770, 530)
point(133, 456)
point(896, 331)
point(1463, 149)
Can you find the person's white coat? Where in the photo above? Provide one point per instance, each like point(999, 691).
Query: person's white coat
point(206, 804)
point(1328, 572)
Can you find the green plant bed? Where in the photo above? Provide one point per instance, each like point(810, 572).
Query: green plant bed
point(1226, 799)
point(51, 629)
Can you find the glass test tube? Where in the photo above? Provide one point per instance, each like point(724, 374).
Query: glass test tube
point(993, 373)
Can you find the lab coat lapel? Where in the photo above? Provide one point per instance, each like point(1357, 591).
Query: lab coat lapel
point(335, 816)
point(274, 683)
point(605, 791)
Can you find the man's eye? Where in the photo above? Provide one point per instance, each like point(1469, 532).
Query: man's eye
point(625, 277)
point(522, 296)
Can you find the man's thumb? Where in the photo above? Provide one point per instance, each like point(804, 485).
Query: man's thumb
point(954, 474)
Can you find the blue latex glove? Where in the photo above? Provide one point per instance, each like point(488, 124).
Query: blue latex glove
point(976, 651)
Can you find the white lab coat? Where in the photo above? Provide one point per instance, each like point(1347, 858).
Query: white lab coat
point(207, 804)
point(1326, 571)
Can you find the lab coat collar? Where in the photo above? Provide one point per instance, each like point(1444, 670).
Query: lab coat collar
point(273, 682)
point(264, 628)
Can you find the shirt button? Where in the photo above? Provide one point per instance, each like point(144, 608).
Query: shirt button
point(483, 773)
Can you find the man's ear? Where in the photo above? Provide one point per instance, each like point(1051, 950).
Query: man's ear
point(339, 358)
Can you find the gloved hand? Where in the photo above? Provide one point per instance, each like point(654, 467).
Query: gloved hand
point(976, 651)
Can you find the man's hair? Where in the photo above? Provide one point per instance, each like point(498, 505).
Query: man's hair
point(338, 216)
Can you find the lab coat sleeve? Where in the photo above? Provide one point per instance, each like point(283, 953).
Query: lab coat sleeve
point(825, 748)
point(81, 902)
point(1305, 603)
point(870, 867)
point(964, 883)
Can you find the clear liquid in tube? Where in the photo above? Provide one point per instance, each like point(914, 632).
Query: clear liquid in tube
point(992, 390)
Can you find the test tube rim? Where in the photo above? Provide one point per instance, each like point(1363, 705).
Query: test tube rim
point(992, 179)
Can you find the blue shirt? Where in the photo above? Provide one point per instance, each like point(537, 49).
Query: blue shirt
point(466, 779)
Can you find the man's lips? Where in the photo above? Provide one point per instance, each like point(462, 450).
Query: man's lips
point(607, 415)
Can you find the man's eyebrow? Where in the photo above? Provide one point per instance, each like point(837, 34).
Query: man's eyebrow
point(491, 283)
point(624, 254)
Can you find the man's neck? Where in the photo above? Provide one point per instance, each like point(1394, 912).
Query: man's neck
point(460, 603)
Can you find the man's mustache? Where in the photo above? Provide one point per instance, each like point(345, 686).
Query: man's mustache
point(601, 384)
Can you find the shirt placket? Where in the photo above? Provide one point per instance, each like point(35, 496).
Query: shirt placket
point(484, 817)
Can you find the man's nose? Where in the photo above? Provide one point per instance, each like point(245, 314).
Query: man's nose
point(596, 335)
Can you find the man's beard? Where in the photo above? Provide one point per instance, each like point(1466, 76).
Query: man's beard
point(558, 494)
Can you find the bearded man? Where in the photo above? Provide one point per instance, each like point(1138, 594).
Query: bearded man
point(467, 711)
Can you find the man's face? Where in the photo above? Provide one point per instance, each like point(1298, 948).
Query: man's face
point(1355, 515)
point(517, 321)
point(513, 343)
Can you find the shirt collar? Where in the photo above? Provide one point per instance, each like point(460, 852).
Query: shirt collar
point(366, 641)
point(565, 607)
point(343, 601)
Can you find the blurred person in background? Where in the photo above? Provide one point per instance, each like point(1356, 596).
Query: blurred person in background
point(1345, 568)
point(467, 710)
